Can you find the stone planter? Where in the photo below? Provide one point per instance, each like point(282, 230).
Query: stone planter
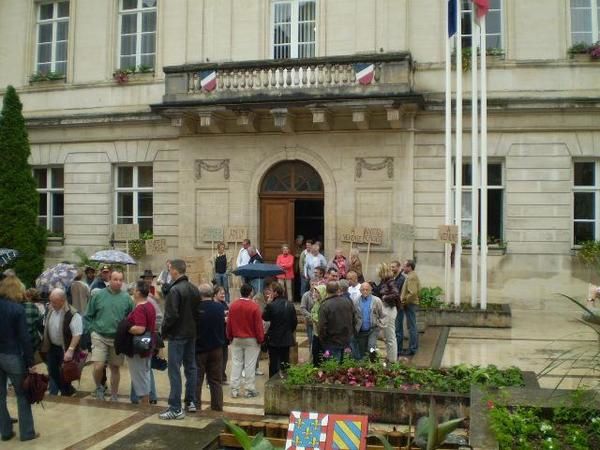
point(580, 57)
point(496, 316)
point(380, 404)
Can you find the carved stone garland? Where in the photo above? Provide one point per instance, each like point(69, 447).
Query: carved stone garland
point(212, 165)
point(387, 162)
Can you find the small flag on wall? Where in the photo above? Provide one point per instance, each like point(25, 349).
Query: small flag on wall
point(365, 73)
point(208, 80)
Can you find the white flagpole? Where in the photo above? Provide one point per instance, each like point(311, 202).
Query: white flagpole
point(474, 163)
point(448, 146)
point(458, 159)
point(484, 166)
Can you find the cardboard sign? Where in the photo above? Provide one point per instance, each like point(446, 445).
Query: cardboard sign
point(127, 232)
point(448, 233)
point(212, 234)
point(353, 234)
point(156, 246)
point(235, 234)
point(373, 236)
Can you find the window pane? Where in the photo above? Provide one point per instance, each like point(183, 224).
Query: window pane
point(128, 45)
point(495, 214)
point(493, 22)
point(584, 207)
point(282, 34)
point(58, 178)
point(494, 41)
point(580, 3)
point(44, 67)
point(125, 220)
point(128, 23)
point(62, 31)
point(148, 3)
point(58, 204)
point(61, 51)
point(46, 11)
point(494, 174)
point(466, 205)
point(496, 4)
point(306, 50)
point(147, 60)
point(45, 33)
point(125, 177)
point(145, 176)
point(145, 224)
point(583, 231)
point(44, 53)
point(306, 11)
point(149, 21)
point(127, 61)
point(63, 9)
point(581, 20)
point(283, 12)
point(60, 67)
point(467, 229)
point(57, 224)
point(130, 4)
point(41, 178)
point(281, 52)
point(467, 174)
point(145, 204)
point(585, 174)
point(148, 43)
point(43, 205)
point(125, 204)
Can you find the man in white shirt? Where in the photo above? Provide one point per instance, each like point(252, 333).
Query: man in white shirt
point(313, 260)
point(243, 256)
point(62, 332)
point(354, 285)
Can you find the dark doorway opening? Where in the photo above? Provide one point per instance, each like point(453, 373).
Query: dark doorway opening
point(309, 219)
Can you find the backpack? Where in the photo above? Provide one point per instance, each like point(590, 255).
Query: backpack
point(35, 386)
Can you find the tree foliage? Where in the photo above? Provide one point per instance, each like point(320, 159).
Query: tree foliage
point(19, 228)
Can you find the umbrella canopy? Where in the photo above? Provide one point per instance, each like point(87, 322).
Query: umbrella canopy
point(7, 255)
point(258, 270)
point(113, 257)
point(60, 276)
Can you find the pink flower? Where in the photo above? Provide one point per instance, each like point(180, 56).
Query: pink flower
point(490, 404)
point(369, 384)
point(327, 354)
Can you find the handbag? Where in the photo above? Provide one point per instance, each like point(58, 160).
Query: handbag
point(35, 386)
point(143, 343)
point(158, 363)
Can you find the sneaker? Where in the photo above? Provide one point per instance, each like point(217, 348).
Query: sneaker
point(169, 414)
point(235, 394)
point(100, 393)
point(251, 394)
point(191, 407)
point(259, 372)
point(114, 398)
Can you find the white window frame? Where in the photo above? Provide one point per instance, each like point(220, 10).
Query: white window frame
point(50, 191)
point(593, 189)
point(294, 43)
point(468, 189)
point(138, 40)
point(595, 31)
point(467, 11)
point(135, 189)
point(54, 21)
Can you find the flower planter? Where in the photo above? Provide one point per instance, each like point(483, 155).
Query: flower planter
point(497, 315)
point(581, 57)
point(380, 404)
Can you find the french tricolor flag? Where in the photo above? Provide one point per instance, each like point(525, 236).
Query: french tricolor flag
point(364, 73)
point(208, 80)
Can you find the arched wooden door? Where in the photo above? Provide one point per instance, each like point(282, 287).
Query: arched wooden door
point(291, 203)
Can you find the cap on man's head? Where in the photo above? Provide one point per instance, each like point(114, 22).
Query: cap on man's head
point(89, 269)
point(105, 268)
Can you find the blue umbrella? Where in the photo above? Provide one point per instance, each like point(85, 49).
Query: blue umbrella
point(113, 257)
point(258, 270)
point(7, 255)
point(60, 276)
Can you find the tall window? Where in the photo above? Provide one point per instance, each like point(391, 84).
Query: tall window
point(585, 21)
point(50, 183)
point(134, 196)
point(52, 34)
point(294, 28)
point(586, 198)
point(495, 201)
point(137, 23)
point(493, 24)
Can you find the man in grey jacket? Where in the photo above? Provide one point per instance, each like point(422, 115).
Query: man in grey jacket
point(371, 323)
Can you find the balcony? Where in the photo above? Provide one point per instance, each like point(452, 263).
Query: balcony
point(291, 95)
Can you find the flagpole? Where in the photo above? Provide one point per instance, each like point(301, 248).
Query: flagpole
point(448, 148)
point(458, 159)
point(484, 166)
point(474, 163)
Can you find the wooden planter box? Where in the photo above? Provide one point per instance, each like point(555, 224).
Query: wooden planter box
point(380, 404)
point(496, 316)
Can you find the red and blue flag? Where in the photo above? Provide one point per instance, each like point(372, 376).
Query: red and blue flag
point(365, 73)
point(208, 80)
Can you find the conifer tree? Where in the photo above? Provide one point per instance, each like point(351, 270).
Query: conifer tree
point(19, 227)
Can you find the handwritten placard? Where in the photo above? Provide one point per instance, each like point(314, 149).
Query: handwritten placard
point(235, 234)
point(212, 234)
point(353, 234)
point(448, 233)
point(373, 236)
point(156, 246)
point(127, 232)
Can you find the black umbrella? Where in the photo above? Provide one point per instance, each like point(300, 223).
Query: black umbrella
point(258, 270)
point(7, 255)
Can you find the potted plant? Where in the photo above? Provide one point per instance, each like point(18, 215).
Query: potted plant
point(121, 76)
point(594, 51)
point(42, 76)
point(579, 51)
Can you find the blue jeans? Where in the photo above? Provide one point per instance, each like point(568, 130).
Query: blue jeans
point(304, 282)
point(135, 399)
point(13, 367)
point(181, 351)
point(222, 280)
point(257, 284)
point(410, 311)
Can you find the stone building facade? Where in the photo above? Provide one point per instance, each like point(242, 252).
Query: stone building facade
point(289, 141)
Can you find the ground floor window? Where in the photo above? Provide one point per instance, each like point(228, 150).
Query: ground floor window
point(50, 186)
point(586, 187)
point(134, 196)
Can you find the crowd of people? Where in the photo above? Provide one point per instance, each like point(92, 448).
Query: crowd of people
point(99, 321)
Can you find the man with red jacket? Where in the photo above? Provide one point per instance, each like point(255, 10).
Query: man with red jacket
point(246, 333)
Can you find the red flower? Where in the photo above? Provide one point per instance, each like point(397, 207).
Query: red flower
point(490, 404)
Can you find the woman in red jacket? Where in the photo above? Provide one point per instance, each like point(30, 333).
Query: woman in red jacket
point(286, 261)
